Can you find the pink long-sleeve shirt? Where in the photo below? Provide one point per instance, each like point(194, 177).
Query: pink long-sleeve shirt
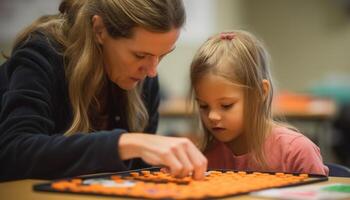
point(286, 151)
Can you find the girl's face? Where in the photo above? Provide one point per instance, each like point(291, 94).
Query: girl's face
point(128, 61)
point(221, 107)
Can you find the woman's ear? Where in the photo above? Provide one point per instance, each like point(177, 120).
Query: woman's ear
point(266, 87)
point(99, 29)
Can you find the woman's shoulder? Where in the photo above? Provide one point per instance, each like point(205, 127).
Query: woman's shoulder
point(37, 39)
point(35, 58)
point(39, 50)
point(39, 42)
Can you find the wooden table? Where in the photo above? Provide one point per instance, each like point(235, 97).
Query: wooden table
point(18, 190)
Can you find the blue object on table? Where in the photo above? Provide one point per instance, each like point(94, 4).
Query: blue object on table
point(338, 170)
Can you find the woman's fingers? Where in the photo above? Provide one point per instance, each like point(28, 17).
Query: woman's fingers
point(199, 162)
point(190, 158)
point(180, 155)
point(165, 170)
point(173, 163)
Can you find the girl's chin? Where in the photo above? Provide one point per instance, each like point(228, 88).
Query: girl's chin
point(223, 138)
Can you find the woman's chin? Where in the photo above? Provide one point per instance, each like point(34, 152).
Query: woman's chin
point(127, 85)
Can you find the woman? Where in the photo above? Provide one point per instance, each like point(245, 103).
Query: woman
point(76, 82)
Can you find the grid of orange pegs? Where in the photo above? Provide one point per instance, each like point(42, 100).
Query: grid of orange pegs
point(154, 184)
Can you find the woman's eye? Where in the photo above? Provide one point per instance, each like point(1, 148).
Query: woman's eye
point(139, 56)
point(203, 107)
point(227, 106)
point(161, 57)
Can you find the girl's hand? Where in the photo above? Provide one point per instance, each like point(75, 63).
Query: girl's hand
point(180, 155)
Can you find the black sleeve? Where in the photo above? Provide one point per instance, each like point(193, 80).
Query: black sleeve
point(152, 99)
point(28, 146)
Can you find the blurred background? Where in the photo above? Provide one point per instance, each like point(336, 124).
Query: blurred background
point(309, 42)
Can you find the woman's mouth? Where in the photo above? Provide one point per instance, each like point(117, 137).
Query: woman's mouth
point(135, 79)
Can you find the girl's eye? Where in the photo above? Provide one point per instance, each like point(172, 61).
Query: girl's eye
point(227, 106)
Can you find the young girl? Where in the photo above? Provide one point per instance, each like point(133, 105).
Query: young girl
point(233, 90)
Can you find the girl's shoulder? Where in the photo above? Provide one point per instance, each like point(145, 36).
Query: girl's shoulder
point(290, 143)
point(299, 153)
point(284, 135)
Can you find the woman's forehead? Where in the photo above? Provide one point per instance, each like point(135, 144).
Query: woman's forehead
point(154, 43)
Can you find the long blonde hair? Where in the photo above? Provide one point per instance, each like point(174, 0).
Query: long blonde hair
point(72, 28)
point(242, 60)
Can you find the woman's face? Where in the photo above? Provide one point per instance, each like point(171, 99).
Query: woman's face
point(128, 61)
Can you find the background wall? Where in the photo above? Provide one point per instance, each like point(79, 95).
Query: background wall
point(15, 15)
point(309, 41)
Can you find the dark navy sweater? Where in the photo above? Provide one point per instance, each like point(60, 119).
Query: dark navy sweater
point(35, 111)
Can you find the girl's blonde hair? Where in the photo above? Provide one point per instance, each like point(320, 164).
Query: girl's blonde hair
point(72, 29)
point(243, 60)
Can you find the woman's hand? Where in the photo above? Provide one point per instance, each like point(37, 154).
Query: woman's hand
point(178, 154)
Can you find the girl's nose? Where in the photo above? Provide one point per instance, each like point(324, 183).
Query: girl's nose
point(214, 116)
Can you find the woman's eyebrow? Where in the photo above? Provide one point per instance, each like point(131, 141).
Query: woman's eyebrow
point(197, 99)
point(146, 53)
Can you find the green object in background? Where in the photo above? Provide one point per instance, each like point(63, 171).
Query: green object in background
point(338, 188)
point(341, 94)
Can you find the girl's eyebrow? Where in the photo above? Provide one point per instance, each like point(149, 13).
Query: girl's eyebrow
point(229, 98)
point(222, 98)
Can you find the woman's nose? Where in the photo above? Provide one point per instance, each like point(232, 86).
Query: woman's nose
point(152, 66)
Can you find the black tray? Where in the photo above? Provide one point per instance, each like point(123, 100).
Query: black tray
point(46, 187)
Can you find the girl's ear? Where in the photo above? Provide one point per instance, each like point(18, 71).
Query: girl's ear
point(266, 87)
point(99, 29)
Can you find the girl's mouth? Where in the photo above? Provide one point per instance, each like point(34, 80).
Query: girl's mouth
point(218, 129)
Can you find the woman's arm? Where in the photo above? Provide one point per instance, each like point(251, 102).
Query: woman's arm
point(29, 147)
